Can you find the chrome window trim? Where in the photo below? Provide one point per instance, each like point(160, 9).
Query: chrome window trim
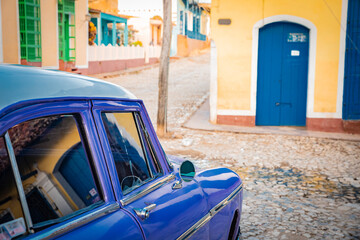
point(139, 121)
point(192, 230)
point(104, 210)
point(140, 129)
point(18, 182)
point(131, 197)
point(142, 134)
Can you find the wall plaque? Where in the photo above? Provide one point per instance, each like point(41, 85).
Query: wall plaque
point(224, 21)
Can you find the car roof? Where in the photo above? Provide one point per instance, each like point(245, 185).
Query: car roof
point(23, 83)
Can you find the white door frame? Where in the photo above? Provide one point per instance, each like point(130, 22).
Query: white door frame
point(311, 63)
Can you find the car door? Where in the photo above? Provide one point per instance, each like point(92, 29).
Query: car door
point(141, 176)
point(41, 145)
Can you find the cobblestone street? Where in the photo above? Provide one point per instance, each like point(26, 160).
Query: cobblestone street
point(294, 187)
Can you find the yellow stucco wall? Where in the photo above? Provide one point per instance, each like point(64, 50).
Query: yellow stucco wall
point(10, 31)
point(49, 33)
point(234, 46)
point(82, 33)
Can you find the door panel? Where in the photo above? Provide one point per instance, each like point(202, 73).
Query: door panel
point(175, 210)
point(118, 225)
point(282, 75)
point(351, 100)
point(47, 131)
point(294, 75)
point(270, 61)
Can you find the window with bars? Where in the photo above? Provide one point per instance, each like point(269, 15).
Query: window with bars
point(30, 30)
point(66, 12)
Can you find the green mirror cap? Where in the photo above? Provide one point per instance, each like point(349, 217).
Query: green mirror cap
point(187, 171)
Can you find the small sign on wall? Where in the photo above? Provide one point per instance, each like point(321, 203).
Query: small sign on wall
point(295, 53)
point(224, 21)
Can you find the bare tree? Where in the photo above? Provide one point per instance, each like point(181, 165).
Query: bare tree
point(164, 70)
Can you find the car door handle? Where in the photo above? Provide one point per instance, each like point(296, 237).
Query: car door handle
point(144, 213)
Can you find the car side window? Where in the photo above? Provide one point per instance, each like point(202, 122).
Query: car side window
point(132, 151)
point(56, 169)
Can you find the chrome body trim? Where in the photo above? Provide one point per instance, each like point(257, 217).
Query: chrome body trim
point(18, 182)
point(78, 222)
point(177, 185)
point(144, 213)
point(136, 195)
point(210, 215)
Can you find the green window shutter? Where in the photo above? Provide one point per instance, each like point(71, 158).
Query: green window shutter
point(30, 30)
point(66, 11)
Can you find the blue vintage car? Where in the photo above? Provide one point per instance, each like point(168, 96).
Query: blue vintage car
point(79, 159)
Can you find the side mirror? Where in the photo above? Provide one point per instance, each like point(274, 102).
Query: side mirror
point(187, 173)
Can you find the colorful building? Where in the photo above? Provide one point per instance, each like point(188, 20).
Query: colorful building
point(286, 63)
point(54, 34)
point(146, 20)
point(111, 28)
point(44, 33)
point(115, 47)
point(192, 27)
point(190, 21)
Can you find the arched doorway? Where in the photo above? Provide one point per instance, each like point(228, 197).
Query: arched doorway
point(282, 75)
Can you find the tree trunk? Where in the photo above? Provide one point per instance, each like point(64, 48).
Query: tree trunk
point(164, 70)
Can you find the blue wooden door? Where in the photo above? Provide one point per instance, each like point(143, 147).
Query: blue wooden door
point(351, 100)
point(282, 75)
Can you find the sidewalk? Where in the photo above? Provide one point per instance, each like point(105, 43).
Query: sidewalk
point(200, 121)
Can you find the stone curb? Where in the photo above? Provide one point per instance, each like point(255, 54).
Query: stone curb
point(199, 120)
